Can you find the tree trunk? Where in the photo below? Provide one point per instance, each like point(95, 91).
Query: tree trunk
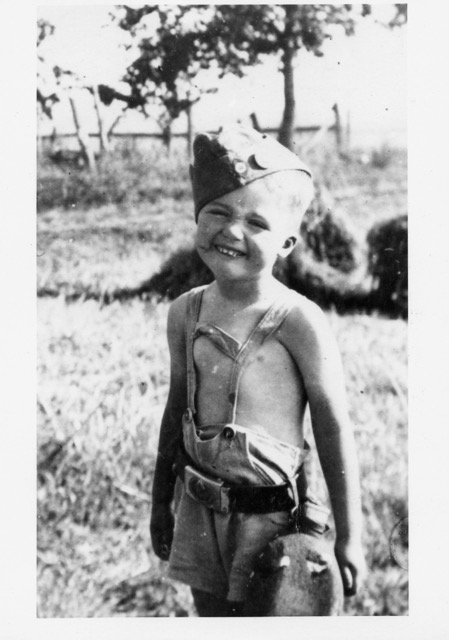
point(104, 140)
point(287, 128)
point(115, 123)
point(83, 138)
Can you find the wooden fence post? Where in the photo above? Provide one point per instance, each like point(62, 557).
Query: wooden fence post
point(338, 136)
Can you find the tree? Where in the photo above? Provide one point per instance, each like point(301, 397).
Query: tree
point(182, 40)
point(52, 81)
point(230, 39)
point(45, 91)
point(54, 84)
point(172, 50)
point(241, 35)
point(244, 34)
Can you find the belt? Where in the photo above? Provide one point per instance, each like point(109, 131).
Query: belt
point(225, 497)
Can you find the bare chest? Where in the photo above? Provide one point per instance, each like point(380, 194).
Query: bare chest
point(265, 386)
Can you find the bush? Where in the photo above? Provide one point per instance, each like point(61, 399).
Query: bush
point(327, 235)
point(183, 271)
point(331, 242)
point(322, 284)
point(388, 263)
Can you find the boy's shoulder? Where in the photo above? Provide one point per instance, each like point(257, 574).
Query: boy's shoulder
point(307, 335)
point(305, 322)
point(181, 301)
point(178, 308)
point(302, 309)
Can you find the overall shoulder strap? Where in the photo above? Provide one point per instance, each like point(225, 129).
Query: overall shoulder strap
point(267, 326)
point(192, 313)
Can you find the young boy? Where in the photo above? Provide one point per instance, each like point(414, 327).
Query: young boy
point(247, 356)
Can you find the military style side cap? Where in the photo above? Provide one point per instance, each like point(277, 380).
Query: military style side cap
point(233, 158)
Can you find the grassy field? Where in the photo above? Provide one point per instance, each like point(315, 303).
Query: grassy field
point(103, 381)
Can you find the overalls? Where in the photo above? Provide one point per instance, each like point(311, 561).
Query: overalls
point(215, 551)
point(229, 451)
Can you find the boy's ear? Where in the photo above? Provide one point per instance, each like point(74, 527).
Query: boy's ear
point(288, 246)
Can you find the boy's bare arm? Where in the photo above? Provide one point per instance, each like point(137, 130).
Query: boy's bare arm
point(170, 437)
point(309, 339)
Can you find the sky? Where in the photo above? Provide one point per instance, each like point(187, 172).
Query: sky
point(365, 74)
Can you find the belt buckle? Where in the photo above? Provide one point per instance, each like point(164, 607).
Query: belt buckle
point(210, 492)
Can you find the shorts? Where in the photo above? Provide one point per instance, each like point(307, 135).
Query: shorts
point(216, 552)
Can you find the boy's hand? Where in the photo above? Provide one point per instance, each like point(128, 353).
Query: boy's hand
point(161, 528)
point(351, 560)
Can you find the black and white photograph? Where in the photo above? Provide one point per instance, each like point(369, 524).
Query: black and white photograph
point(222, 311)
point(224, 322)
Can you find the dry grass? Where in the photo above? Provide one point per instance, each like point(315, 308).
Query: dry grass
point(104, 249)
point(103, 380)
point(103, 383)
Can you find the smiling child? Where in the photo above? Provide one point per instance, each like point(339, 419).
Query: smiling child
point(248, 356)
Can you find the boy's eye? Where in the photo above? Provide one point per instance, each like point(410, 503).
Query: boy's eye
point(217, 212)
point(259, 224)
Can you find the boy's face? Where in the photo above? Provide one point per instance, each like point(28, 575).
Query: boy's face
point(241, 234)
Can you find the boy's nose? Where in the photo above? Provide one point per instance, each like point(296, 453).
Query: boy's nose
point(234, 230)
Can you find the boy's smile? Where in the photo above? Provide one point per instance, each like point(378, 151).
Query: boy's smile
point(228, 251)
point(241, 234)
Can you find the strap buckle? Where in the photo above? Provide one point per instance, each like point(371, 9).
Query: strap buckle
point(212, 493)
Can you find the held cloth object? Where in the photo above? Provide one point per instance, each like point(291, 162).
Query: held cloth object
point(296, 575)
point(232, 159)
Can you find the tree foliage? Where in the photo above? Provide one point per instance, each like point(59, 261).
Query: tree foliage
point(172, 50)
point(45, 90)
point(244, 34)
point(53, 82)
point(44, 29)
point(228, 38)
point(400, 17)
